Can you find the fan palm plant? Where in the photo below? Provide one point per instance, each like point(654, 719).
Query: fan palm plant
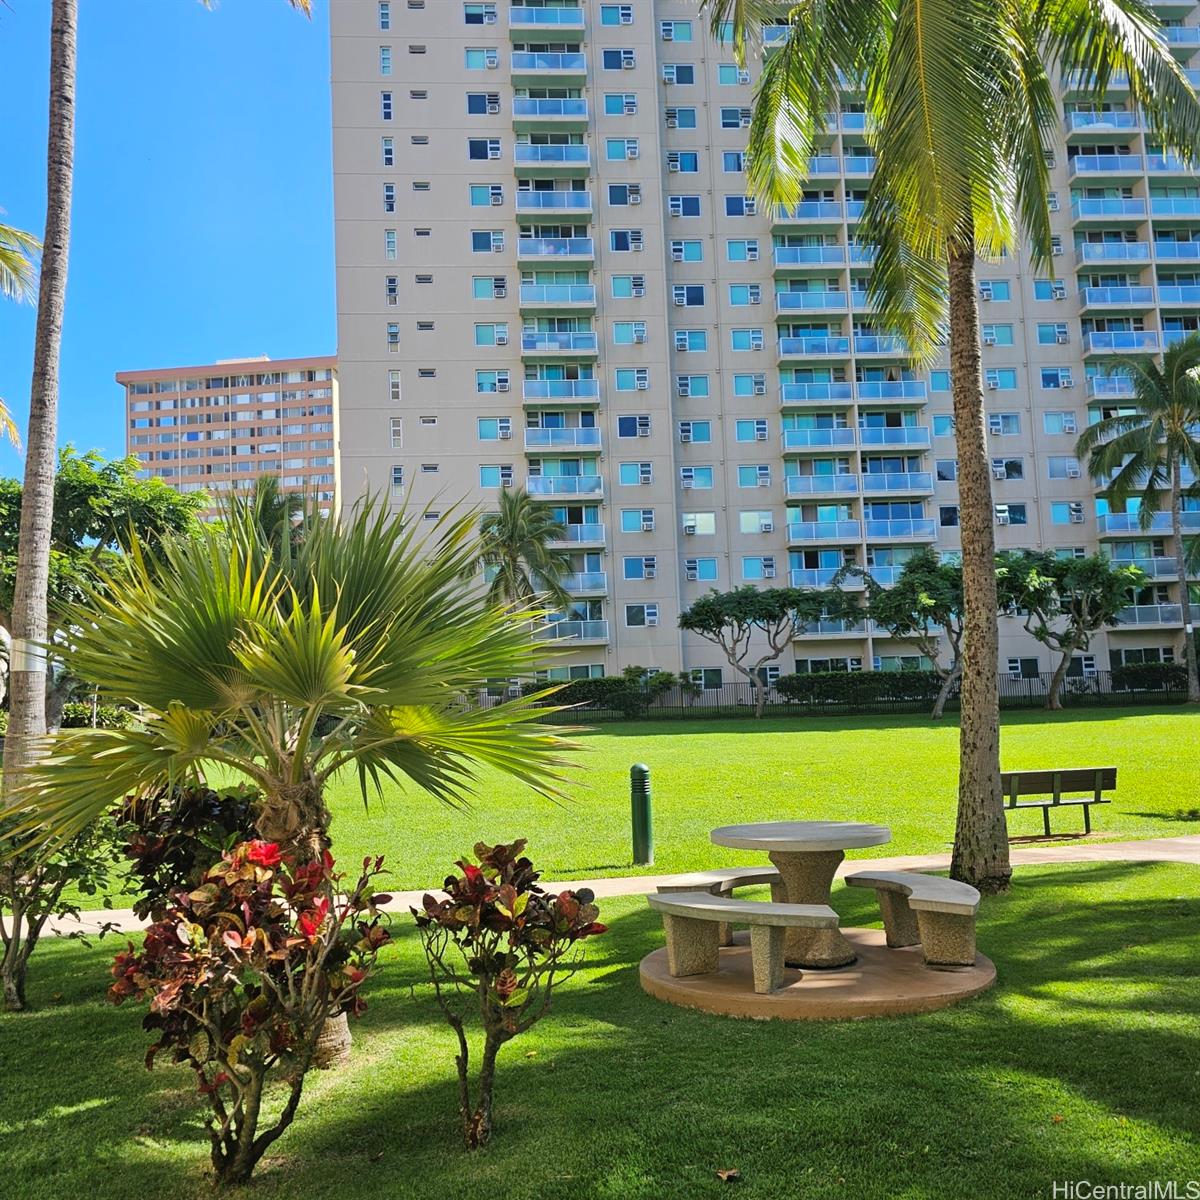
point(1143, 452)
point(515, 549)
point(958, 102)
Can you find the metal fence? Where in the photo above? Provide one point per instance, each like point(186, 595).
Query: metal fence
point(881, 694)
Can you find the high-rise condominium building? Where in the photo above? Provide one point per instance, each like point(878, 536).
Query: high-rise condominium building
point(220, 426)
point(550, 276)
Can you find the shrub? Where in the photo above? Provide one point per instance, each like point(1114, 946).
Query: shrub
point(513, 940)
point(78, 715)
point(859, 687)
point(1150, 677)
point(242, 973)
point(175, 836)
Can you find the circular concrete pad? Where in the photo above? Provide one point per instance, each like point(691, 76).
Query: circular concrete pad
point(881, 983)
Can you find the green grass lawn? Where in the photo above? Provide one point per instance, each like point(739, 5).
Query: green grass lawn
point(1082, 1063)
point(901, 771)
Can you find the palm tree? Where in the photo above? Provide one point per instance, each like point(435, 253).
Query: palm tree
point(1144, 450)
point(958, 98)
point(280, 516)
point(17, 249)
point(514, 545)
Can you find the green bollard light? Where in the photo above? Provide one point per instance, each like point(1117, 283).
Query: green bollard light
point(643, 826)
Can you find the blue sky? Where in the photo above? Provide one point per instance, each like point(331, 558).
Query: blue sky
point(203, 215)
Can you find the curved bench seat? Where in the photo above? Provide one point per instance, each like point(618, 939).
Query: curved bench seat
point(693, 921)
point(936, 913)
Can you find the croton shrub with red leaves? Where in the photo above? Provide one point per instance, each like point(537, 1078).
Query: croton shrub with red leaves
point(497, 944)
point(242, 973)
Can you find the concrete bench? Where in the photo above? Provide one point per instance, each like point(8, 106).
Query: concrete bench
point(938, 914)
point(721, 882)
point(1052, 784)
point(692, 921)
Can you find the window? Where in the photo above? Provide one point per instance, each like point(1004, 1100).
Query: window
point(758, 566)
point(393, 337)
point(633, 426)
point(1008, 468)
point(385, 60)
point(494, 429)
point(1010, 514)
point(675, 31)
point(483, 148)
point(385, 15)
point(616, 14)
point(1066, 512)
point(617, 60)
point(637, 520)
point(622, 240)
point(680, 118)
point(746, 339)
point(388, 151)
point(639, 567)
point(751, 429)
point(1049, 289)
point(1004, 424)
point(389, 244)
point(385, 106)
point(479, 14)
point(995, 289)
point(1056, 377)
point(699, 524)
point(638, 616)
point(631, 379)
point(740, 206)
point(1024, 668)
point(1000, 379)
point(635, 474)
point(685, 162)
point(491, 335)
point(620, 194)
point(946, 470)
point(742, 250)
point(1063, 466)
point(691, 386)
point(943, 426)
point(750, 385)
point(480, 104)
point(1059, 422)
point(628, 287)
point(493, 476)
point(489, 287)
point(698, 432)
point(679, 73)
point(709, 678)
point(733, 162)
point(939, 381)
point(1081, 665)
point(620, 149)
point(1053, 334)
point(696, 477)
point(391, 290)
point(948, 516)
point(397, 481)
point(730, 75)
point(735, 118)
point(997, 335)
point(620, 104)
point(394, 385)
point(687, 250)
point(688, 295)
point(683, 206)
point(691, 341)
point(491, 381)
point(753, 475)
point(701, 569)
point(389, 197)
point(421, 185)
point(484, 195)
point(629, 333)
point(479, 58)
point(487, 241)
point(741, 294)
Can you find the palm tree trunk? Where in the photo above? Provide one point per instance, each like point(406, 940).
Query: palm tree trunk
point(27, 674)
point(981, 836)
point(1189, 640)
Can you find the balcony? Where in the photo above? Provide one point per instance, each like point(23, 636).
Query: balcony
point(1167, 164)
point(1181, 37)
point(859, 164)
point(817, 577)
point(821, 485)
point(1168, 251)
point(1113, 252)
point(568, 249)
point(916, 436)
point(1151, 614)
point(551, 111)
point(786, 302)
point(1171, 336)
point(1152, 568)
point(565, 159)
point(547, 203)
point(804, 393)
point(1140, 341)
point(1083, 81)
point(585, 391)
point(1108, 209)
point(558, 295)
point(862, 253)
point(814, 347)
point(575, 631)
point(885, 576)
point(878, 344)
point(854, 210)
point(576, 437)
point(817, 439)
point(565, 485)
point(827, 627)
point(1175, 206)
point(1102, 122)
point(900, 389)
point(580, 582)
point(558, 20)
point(809, 256)
point(545, 341)
point(905, 529)
point(581, 535)
point(1096, 166)
point(1117, 524)
point(897, 483)
point(824, 531)
point(821, 212)
point(541, 66)
point(1109, 387)
point(1116, 297)
point(824, 164)
point(1176, 296)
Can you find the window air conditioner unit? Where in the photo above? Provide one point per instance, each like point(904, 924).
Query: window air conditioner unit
point(766, 527)
point(648, 526)
point(649, 572)
point(644, 431)
point(677, 256)
point(989, 339)
point(632, 151)
point(680, 301)
point(492, 61)
point(635, 197)
point(502, 387)
point(638, 292)
point(500, 292)
point(685, 483)
point(1066, 381)
point(1077, 518)
point(629, 109)
point(1072, 472)
point(683, 389)
point(493, 109)
point(689, 529)
point(692, 576)
point(643, 385)
point(993, 385)
point(489, 18)
point(752, 254)
point(668, 35)
point(502, 339)
point(651, 621)
point(672, 122)
point(1002, 520)
point(673, 168)
point(756, 297)
point(1062, 339)
point(685, 436)
point(638, 245)
point(1059, 293)
point(999, 473)
point(760, 435)
point(505, 434)
point(743, 77)
point(768, 572)
point(760, 389)
point(639, 338)
point(627, 64)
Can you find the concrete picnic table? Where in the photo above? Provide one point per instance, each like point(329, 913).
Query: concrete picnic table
point(807, 854)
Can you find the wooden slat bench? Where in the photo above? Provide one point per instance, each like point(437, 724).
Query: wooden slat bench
point(1054, 784)
point(691, 922)
point(938, 914)
point(721, 882)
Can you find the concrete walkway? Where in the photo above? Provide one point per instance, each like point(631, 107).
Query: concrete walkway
point(1185, 849)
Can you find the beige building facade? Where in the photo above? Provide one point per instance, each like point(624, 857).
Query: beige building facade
point(219, 426)
point(550, 276)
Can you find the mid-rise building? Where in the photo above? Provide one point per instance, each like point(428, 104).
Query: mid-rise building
point(550, 275)
point(219, 426)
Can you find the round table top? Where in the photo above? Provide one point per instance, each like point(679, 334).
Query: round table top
point(802, 837)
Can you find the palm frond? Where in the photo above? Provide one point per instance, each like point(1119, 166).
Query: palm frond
point(18, 251)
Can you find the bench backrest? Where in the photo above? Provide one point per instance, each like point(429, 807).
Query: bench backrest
point(1097, 780)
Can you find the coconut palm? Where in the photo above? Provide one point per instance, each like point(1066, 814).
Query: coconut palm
point(281, 516)
point(958, 102)
point(1144, 451)
point(17, 249)
point(515, 549)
